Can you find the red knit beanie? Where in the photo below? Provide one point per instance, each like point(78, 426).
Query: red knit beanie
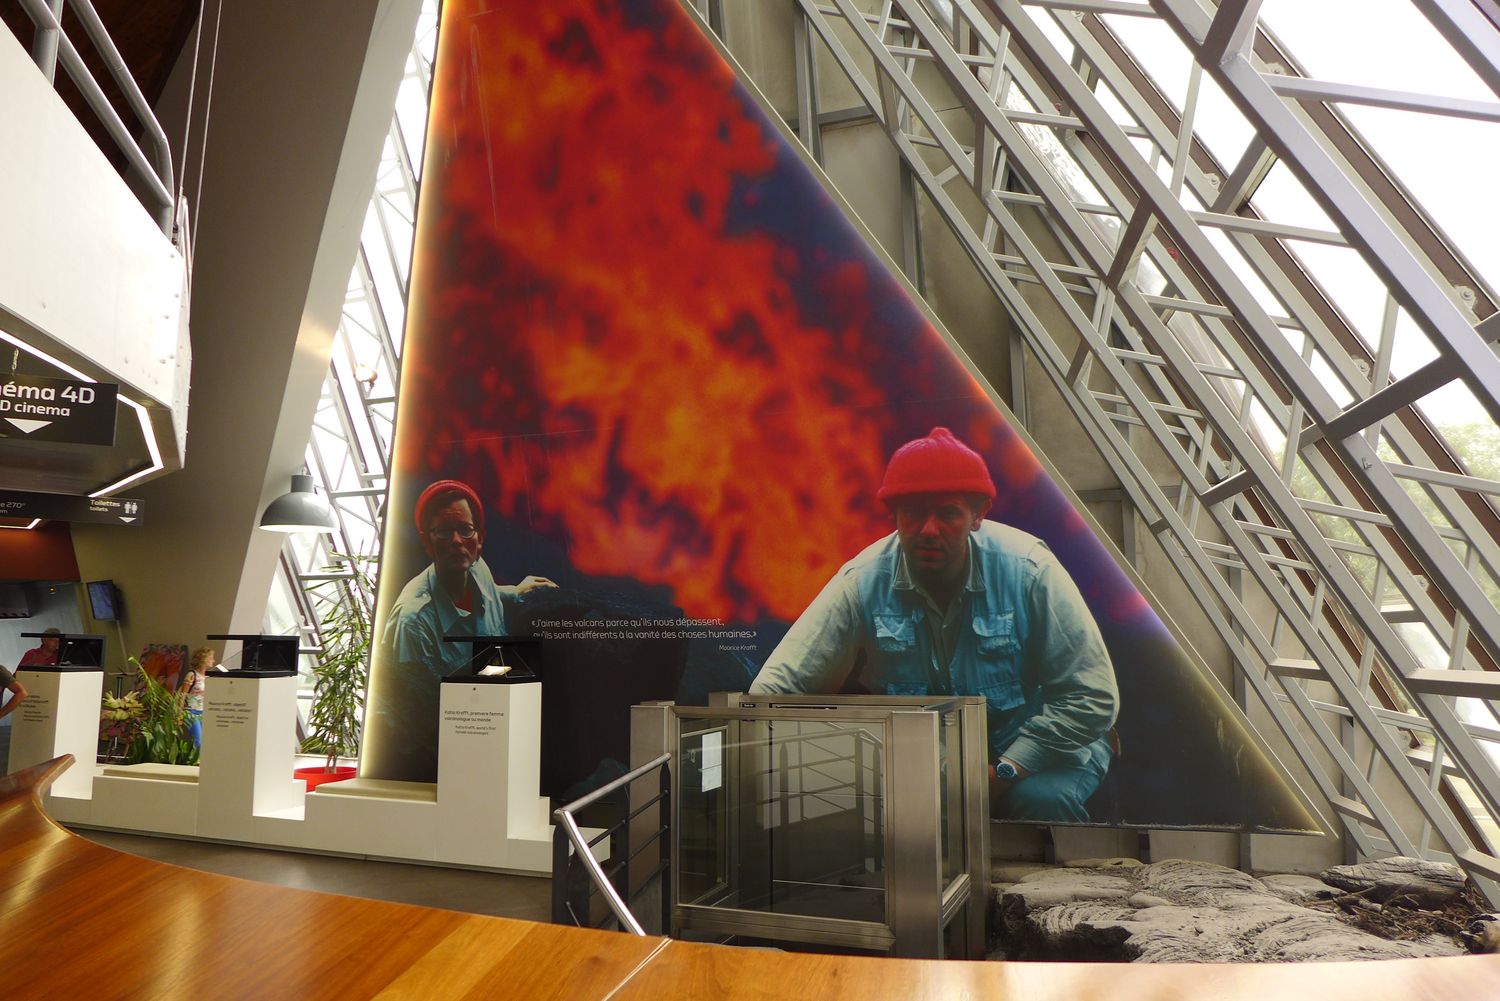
point(937, 464)
point(449, 487)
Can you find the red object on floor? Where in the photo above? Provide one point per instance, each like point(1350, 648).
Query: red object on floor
point(318, 774)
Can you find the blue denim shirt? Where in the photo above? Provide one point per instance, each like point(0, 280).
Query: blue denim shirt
point(1031, 648)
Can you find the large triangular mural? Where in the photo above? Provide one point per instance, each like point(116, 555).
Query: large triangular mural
point(662, 406)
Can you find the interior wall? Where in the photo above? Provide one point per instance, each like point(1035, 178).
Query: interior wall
point(52, 606)
point(42, 553)
point(301, 103)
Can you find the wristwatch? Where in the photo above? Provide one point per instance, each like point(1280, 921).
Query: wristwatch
point(1006, 771)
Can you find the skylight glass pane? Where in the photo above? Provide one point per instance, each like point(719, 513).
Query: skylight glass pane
point(1413, 349)
point(1348, 283)
point(1117, 112)
point(1465, 426)
point(1267, 432)
point(1330, 380)
point(1244, 271)
point(1375, 43)
point(1061, 163)
point(1157, 51)
point(1055, 35)
point(1219, 125)
point(1282, 198)
point(1448, 166)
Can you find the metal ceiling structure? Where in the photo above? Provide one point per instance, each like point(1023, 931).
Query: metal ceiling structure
point(1335, 538)
point(1277, 441)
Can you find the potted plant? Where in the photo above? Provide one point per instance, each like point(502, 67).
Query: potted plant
point(121, 721)
point(342, 669)
point(151, 721)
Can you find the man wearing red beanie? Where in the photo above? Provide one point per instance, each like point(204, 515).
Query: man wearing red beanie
point(953, 604)
point(455, 596)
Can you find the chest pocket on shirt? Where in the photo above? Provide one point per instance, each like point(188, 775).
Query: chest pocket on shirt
point(899, 670)
point(894, 633)
point(998, 660)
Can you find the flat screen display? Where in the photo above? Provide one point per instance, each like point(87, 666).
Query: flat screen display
point(104, 600)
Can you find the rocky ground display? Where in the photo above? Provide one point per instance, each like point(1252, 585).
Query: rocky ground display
point(1120, 910)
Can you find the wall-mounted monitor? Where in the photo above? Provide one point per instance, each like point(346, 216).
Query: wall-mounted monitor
point(104, 600)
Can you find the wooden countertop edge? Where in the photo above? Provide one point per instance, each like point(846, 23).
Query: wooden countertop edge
point(471, 956)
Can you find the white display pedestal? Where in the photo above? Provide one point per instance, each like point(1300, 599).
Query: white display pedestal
point(249, 751)
point(486, 810)
point(490, 808)
point(59, 716)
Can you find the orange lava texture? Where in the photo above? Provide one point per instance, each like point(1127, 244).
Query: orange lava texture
point(613, 344)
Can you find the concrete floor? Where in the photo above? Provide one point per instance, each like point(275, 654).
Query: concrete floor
point(528, 897)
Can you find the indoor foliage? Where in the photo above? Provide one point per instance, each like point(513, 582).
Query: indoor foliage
point(151, 720)
point(343, 666)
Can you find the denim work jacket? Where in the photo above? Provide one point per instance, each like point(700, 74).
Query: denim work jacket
point(1030, 647)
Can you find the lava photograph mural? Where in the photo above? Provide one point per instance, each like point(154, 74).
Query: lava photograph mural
point(662, 407)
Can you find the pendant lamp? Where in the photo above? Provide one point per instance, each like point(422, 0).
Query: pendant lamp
point(300, 510)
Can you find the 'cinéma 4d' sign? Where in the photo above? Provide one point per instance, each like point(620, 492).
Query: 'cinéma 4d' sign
point(45, 409)
point(662, 407)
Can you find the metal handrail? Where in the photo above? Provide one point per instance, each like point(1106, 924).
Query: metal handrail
point(158, 179)
point(564, 817)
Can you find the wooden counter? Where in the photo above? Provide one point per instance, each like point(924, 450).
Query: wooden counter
point(78, 920)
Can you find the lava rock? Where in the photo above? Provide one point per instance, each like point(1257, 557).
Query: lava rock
point(1298, 889)
point(1416, 881)
point(1181, 912)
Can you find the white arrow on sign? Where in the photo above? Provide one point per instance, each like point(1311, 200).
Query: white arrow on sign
point(126, 520)
point(27, 426)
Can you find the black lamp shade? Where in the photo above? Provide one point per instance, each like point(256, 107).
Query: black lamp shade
point(301, 510)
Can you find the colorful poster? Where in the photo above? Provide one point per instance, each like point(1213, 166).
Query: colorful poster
point(662, 407)
point(165, 662)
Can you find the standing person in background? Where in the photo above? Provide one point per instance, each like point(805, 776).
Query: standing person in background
point(193, 684)
point(8, 683)
point(46, 653)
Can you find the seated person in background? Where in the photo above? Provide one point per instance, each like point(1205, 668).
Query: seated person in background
point(954, 604)
point(8, 683)
point(46, 653)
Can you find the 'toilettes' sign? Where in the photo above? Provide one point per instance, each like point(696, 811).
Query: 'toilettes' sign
point(45, 409)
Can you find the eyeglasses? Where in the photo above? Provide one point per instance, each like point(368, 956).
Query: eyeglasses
point(917, 513)
point(464, 532)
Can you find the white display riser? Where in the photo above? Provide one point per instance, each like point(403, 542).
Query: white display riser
point(60, 715)
point(485, 812)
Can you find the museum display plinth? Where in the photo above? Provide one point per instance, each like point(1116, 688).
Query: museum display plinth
point(485, 811)
point(249, 751)
point(489, 774)
point(59, 716)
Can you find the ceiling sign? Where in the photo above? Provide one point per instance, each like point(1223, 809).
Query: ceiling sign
point(65, 507)
point(44, 409)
